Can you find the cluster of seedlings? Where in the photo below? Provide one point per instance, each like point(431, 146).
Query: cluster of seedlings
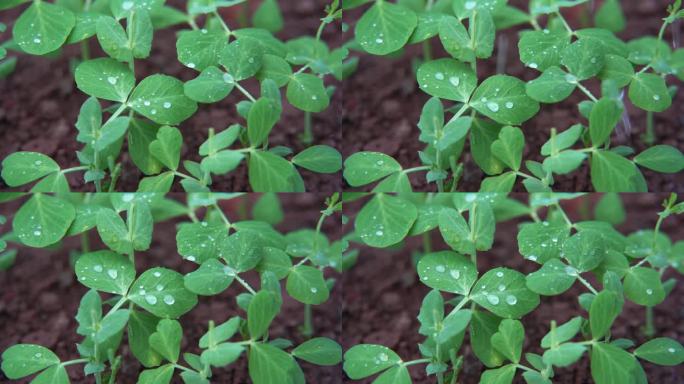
point(490, 112)
point(145, 113)
point(488, 305)
point(127, 308)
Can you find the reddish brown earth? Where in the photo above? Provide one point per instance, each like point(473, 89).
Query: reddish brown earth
point(382, 298)
point(382, 105)
point(40, 297)
point(40, 103)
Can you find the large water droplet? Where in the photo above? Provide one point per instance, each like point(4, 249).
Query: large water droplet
point(494, 107)
point(455, 273)
point(151, 300)
point(167, 105)
point(98, 268)
point(440, 268)
point(157, 274)
point(112, 273)
point(511, 300)
point(112, 80)
point(509, 104)
point(649, 291)
point(383, 357)
point(314, 290)
point(499, 274)
point(656, 97)
point(494, 300)
point(455, 81)
point(169, 300)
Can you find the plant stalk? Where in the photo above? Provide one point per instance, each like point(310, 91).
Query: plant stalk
point(307, 328)
point(649, 329)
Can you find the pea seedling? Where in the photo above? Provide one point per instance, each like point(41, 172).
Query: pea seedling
point(489, 305)
point(491, 112)
point(146, 305)
point(146, 113)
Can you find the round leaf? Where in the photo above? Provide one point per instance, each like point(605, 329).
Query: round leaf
point(385, 28)
point(43, 220)
point(320, 351)
point(649, 92)
point(22, 168)
point(661, 158)
point(447, 79)
point(540, 242)
point(105, 79)
point(503, 99)
point(307, 92)
point(319, 158)
point(307, 285)
point(364, 360)
point(366, 167)
point(585, 250)
point(26, 359)
point(583, 58)
point(198, 242)
point(661, 351)
point(553, 278)
point(200, 49)
point(161, 99)
point(43, 28)
point(243, 58)
point(210, 86)
point(503, 292)
point(211, 278)
point(552, 86)
point(447, 271)
point(105, 271)
point(643, 286)
point(541, 49)
point(385, 220)
point(161, 292)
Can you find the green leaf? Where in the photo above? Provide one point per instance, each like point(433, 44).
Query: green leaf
point(111, 132)
point(271, 173)
point(661, 351)
point(113, 231)
point(307, 285)
point(307, 92)
point(242, 251)
point(242, 58)
point(166, 148)
point(198, 242)
point(210, 86)
point(263, 308)
point(503, 292)
point(564, 355)
point(276, 261)
point(503, 375)
point(43, 220)
point(222, 354)
point(610, 364)
point(56, 374)
point(563, 140)
point(618, 69)
point(276, 69)
point(643, 286)
point(482, 33)
point(105, 271)
point(364, 360)
point(564, 162)
point(541, 242)
point(649, 92)
point(222, 162)
point(161, 375)
point(268, 16)
point(162, 292)
point(140, 225)
point(611, 172)
point(140, 33)
point(320, 159)
point(140, 326)
point(454, 324)
point(385, 220)
point(270, 365)
point(604, 116)
point(509, 340)
point(455, 231)
point(455, 39)
point(447, 271)
point(320, 351)
point(553, 86)
point(542, 49)
point(221, 140)
point(585, 250)
point(553, 278)
point(604, 309)
point(209, 279)
point(364, 168)
point(610, 16)
point(385, 28)
point(482, 327)
point(105, 79)
point(113, 39)
point(22, 168)
point(661, 158)
point(499, 184)
point(509, 147)
point(447, 79)
point(200, 49)
point(111, 325)
point(262, 117)
point(161, 99)
point(563, 333)
point(503, 99)
point(89, 313)
point(583, 58)
point(140, 134)
point(43, 28)
point(26, 359)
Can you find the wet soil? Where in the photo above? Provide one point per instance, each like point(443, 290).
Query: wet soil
point(382, 298)
point(39, 104)
point(40, 297)
point(382, 105)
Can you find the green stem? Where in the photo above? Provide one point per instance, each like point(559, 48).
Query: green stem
point(649, 329)
point(245, 284)
point(307, 137)
point(649, 137)
point(244, 92)
point(565, 216)
point(460, 305)
point(565, 23)
point(73, 362)
point(427, 243)
point(417, 169)
point(414, 362)
point(223, 23)
point(118, 305)
point(223, 216)
point(587, 284)
point(85, 242)
point(307, 329)
point(587, 92)
point(459, 113)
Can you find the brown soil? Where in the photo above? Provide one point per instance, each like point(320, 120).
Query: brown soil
point(40, 104)
point(382, 298)
point(40, 297)
point(382, 106)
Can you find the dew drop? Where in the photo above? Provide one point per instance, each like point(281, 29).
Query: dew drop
point(533, 65)
point(470, 5)
point(440, 268)
point(499, 274)
point(151, 300)
point(38, 355)
point(167, 105)
point(511, 300)
point(190, 258)
point(36, 40)
point(671, 350)
point(501, 288)
point(649, 291)
point(227, 78)
point(157, 274)
point(455, 273)
point(509, 104)
point(494, 300)
point(169, 300)
point(191, 65)
point(494, 107)
point(127, 5)
point(378, 233)
point(112, 273)
point(97, 268)
point(36, 233)
point(146, 103)
point(656, 97)
point(455, 81)
point(379, 40)
point(38, 162)
point(159, 287)
point(112, 80)
point(314, 290)
point(439, 76)
point(383, 357)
